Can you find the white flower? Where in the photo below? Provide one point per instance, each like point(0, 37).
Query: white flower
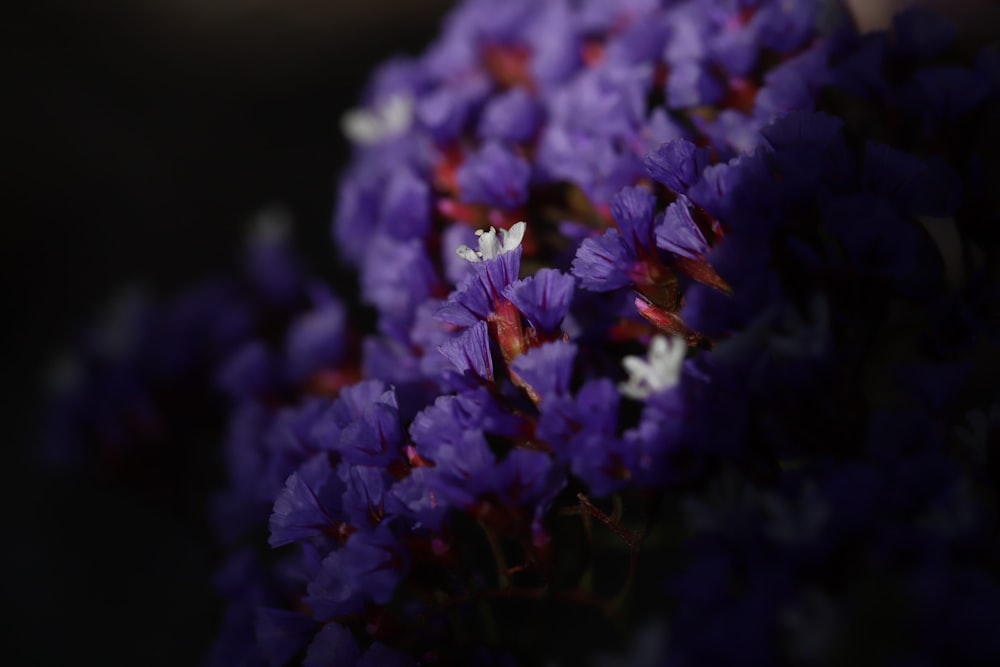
point(661, 371)
point(490, 246)
point(391, 118)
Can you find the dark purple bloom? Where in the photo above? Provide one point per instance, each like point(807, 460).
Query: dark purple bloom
point(555, 45)
point(742, 194)
point(692, 84)
point(810, 153)
point(397, 276)
point(272, 267)
point(736, 49)
point(442, 430)
point(679, 233)
point(786, 25)
point(677, 164)
point(248, 373)
point(860, 71)
point(375, 435)
point(367, 500)
point(603, 263)
point(406, 205)
point(603, 463)
point(942, 95)
point(368, 567)
point(525, 479)
point(547, 368)
point(333, 645)
point(877, 240)
point(632, 209)
point(543, 298)
point(350, 406)
point(641, 42)
point(470, 351)
point(471, 302)
point(583, 432)
point(494, 175)
point(514, 116)
point(309, 505)
point(930, 188)
point(445, 111)
point(356, 217)
point(732, 133)
point(418, 502)
point(495, 266)
point(283, 634)
point(316, 340)
point(792, 86)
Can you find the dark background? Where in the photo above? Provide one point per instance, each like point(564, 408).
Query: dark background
point(140, 138)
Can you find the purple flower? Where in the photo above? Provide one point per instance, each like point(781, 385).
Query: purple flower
point(942, 95)
point(444, 112)
point(374, 436)
point(270, 264)
point(494, 266)
point(913, 185)
point(603, 263)
point(309, 505)
point(283, 634)
point(397, 291)
point(368, 567)
point(514, 117)
point(406, 205)
point(367, 499)
point(316, 341)
point(249, 372)
point(543, 298)
point(633, 208)
point(495, 176)
point(786, 25)
point(677, 164)
point(547, 368)
point(470, 352)
point(333, 645)
point(692, 84)
point(679, 233)
point(526, 479)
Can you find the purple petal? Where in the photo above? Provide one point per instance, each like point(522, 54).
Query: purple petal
point(547, 368)
point(632, 208)
point(470, 351)
point(677, 164)
point(494, 176)
point(543, 298)
point(602, 263)
point(679, 233)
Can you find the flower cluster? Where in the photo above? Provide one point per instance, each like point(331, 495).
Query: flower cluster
point(657, 284)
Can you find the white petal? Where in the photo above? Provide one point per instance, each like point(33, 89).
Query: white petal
point(467, 253)
point(489, 244)
point(512, 237)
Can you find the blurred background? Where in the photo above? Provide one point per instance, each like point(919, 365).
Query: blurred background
point(140, 138)
point(145, 135)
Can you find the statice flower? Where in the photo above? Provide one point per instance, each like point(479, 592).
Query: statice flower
point(668, 343)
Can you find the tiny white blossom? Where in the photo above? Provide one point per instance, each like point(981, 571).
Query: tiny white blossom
point(370, 126)
point(490, 246)
point(661, 371)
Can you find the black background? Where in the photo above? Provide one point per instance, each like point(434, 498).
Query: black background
point(140, 137)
